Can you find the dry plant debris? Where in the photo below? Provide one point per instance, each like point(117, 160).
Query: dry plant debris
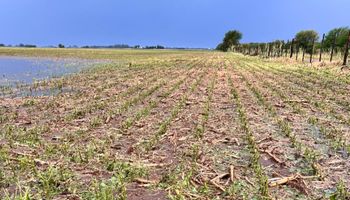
point(178, 125)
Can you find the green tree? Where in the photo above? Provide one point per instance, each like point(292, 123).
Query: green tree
point(341, 35)
point(60, 46)
point(231, 38)
point(306, 38)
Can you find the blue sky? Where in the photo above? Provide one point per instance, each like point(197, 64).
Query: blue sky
point(180, 23)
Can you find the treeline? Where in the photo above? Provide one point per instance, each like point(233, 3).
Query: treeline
point(305, 42)
point(154, 47)
point(115, 46)
point(124, 46)
point(20, 45)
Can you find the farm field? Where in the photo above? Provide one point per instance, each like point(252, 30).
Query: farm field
point(154, 124)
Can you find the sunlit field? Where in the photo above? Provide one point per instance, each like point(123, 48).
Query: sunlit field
point(171, 124)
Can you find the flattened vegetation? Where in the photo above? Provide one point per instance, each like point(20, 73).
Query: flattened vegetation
point(180, 125)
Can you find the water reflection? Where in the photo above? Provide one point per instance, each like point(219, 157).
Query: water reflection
point(17, 71)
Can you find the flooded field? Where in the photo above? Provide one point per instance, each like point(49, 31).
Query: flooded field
point(25, 70)
point(22, 72)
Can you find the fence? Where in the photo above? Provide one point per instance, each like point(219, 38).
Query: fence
point(293, 49)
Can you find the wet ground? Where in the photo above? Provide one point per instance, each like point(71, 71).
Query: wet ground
point(26, 70)
point(19, 75)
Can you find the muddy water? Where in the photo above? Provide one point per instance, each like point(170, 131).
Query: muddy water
point(17, 71)
point(21, 70)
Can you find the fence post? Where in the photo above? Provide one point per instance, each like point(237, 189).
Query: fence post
point(346, 53)
point(281, 49)
point(291, 49)
point(321, 48)
point(312, 50)
point(297, 52)
point(333, 46)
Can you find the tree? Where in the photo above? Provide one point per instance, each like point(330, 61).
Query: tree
point(231, 38)
point(220, 47)
point(340, 35)
point(305, 39)
point(60, 46)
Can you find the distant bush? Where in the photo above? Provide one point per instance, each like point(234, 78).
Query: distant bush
point(60, 46)
point(27, 45)
point(155, 47)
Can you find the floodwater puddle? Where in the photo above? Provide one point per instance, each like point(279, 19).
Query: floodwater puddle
point(18, 71)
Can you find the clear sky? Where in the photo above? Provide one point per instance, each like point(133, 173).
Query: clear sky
point(180, 23)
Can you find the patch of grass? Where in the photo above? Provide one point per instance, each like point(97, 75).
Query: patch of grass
point(29, 103)
point(342, 193)
point(238, 190)
point(52, 181)
point(115, 187)
point(76, 114)
point(95, 122)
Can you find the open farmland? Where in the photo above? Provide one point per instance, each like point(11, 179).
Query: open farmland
point(178, 125)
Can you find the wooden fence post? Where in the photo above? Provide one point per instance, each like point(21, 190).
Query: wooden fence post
point(291, 49)
point(312, 50)
point(281, 49)
point(303, 54)
point(346, 53)
point(321, 48)
point(333, 46)
point(297, 52)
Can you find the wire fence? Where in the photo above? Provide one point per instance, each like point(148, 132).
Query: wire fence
point(313, 52)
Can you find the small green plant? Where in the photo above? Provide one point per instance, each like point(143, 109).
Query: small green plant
point(115, 188)
point(29, 103)
point(20, 195)
point(3, 180)
point(238, 190)
point(95, 122)
point(126, 171)
point(313, 120)
point(53, 180)
point(178, 182)
point(341, 193)
point(76, 114)
point(106, 190)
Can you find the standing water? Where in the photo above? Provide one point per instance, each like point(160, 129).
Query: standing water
point(16, 71)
